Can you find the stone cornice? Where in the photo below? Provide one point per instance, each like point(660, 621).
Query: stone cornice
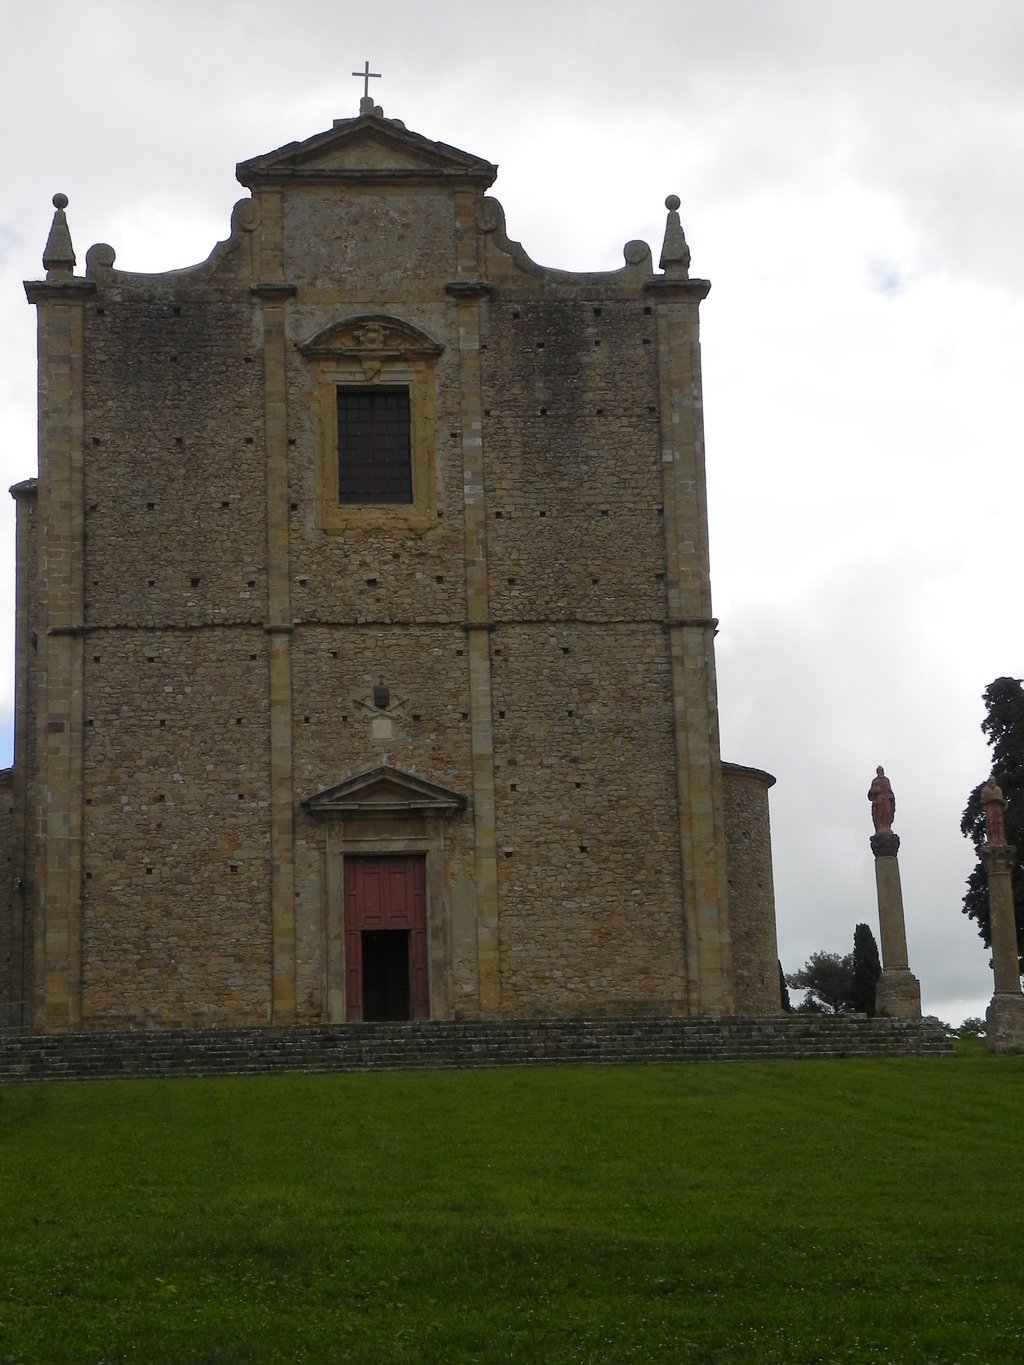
point(273, 289)
point(693, 291)
point(329, 175)
point(71, 289)
point(754, 774)
point(469, 289)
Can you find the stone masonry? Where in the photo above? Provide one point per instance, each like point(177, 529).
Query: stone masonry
point(234, 685)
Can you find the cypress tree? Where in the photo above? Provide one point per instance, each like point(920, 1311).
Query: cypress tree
point(784, 1000)
point(867, 968)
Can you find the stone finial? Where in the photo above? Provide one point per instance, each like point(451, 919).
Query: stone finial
point(675, 254)
point(59, 254)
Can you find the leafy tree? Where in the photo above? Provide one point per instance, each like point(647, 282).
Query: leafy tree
point(828, 980)
point(809, 1005)
point(867, 968)
point(972, 1028)
point(1004, 727)
point(784, 1000)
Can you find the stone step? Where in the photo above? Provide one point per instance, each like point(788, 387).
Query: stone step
point(366, 1047)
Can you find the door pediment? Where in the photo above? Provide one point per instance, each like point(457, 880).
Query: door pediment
point(383, 791)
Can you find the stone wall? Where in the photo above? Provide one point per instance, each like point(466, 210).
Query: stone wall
point(176, 871)
point(587, 820)
point(573, 460)
point(175, 503)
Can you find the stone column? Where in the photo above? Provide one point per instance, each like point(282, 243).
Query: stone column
point(1005, 1014)
point(899, 991)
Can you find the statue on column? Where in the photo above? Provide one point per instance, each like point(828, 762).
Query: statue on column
point(883, 802)
point(993, 803)
point(898, 991)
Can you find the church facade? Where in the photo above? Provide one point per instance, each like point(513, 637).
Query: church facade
point(365, 653)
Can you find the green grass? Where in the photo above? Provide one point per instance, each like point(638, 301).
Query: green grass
point(814, 1211)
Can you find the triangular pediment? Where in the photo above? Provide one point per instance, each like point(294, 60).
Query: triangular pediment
point(366, 148)
point(384, 791)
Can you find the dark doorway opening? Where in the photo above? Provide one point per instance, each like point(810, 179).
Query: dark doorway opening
point(386, 993)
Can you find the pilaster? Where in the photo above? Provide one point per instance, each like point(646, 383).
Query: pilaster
point(691, 632)
point(268, 237)
point(58, 874)
point(469, 299)
point(273, 297)
point(19, 1011)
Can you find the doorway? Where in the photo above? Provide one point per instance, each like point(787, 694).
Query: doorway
point(386, 938)
point(386, 974)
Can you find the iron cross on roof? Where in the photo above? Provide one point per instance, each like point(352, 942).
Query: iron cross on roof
point(367, 75)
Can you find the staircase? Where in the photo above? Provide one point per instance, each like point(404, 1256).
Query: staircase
point(375, 1047)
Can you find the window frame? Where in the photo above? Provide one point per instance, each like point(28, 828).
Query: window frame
point(375, 459)
point(375, 351)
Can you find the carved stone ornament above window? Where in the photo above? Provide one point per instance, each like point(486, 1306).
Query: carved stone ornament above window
point(370, 334)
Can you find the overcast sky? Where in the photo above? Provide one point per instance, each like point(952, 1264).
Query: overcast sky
point(851, 182)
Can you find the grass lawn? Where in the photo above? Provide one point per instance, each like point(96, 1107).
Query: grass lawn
point(813, 1211)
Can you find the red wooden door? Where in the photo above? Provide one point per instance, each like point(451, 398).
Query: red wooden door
point(386, 937)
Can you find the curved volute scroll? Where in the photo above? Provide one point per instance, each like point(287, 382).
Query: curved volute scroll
point(490, 220)
point(99, 261)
